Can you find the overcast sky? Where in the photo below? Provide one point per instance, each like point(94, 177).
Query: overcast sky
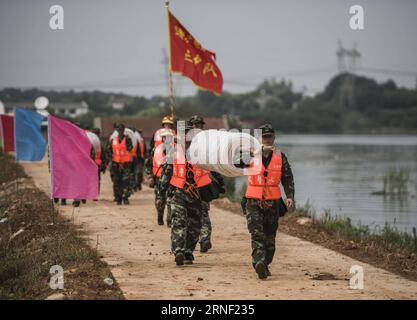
point(117, 45)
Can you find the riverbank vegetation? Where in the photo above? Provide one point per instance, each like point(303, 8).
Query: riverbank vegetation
point(33, 238)
point(396, 181)
point(348, 104)
point(384, 247)
point(387, 236)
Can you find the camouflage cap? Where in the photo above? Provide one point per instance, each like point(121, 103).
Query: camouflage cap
point(120, 126)
point(196, 119)
point(267, 130)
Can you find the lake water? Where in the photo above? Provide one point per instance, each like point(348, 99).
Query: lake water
point(340, 173)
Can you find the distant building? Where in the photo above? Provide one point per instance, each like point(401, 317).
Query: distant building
point(119, 104)
point(9, 106)
point(69, 109)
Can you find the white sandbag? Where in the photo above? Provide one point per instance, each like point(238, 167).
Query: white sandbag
point(129, 133)
point(217, 150)
point(94, 140)
point(138, 136)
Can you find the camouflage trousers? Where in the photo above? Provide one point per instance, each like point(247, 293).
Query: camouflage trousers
point(99, 180)
point(120, 175)
point(139, 175)
point(263, 226)
point(165, 202)
point(185, 228)
point(133, 176)
point(205, 234)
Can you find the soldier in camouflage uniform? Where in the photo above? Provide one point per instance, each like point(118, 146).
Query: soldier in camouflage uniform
point(141, 160)
point(185, 181)
point(263, 204)
point(154, 167)
point(118, 152)
point(205, 235)
point(133, 183)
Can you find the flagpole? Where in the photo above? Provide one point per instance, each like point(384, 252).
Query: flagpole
point(15, 153)
point(170, 82)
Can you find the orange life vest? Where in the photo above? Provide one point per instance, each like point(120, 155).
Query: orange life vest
point(120, 152)
point(265, 185)
point(98, 157)
point(158, 160)
point(157, 138)
point(134, 150)
point(179, 175)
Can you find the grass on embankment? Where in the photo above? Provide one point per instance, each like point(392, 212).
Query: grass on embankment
point(387, 248)
point(33, 237)
point(388, 236)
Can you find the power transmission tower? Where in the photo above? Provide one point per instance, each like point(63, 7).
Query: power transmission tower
point(340, 53)
point(347, 63)
point(346, 58)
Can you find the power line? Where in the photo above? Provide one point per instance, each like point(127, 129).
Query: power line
point(157, 81)
point(293, 73)
point(390, 72)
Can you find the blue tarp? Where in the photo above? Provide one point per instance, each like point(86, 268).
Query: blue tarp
point(29, 142)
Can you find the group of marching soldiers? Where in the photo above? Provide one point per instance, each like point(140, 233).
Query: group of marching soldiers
point(126, 157)
point(185, 190)
point(125, 153)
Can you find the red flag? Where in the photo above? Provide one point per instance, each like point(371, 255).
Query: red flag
point(7, 125)
point(190, 59)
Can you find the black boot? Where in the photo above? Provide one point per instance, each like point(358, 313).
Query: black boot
point(63, 202)
point(179, 259)
point(205, 245)
point(160, 219)
point(268, 273)
point(261, 270)
point(189, 258)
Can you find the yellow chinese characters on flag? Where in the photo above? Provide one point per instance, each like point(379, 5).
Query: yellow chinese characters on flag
point(193, 61)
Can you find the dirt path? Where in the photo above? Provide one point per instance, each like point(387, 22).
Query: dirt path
point(137, 249)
